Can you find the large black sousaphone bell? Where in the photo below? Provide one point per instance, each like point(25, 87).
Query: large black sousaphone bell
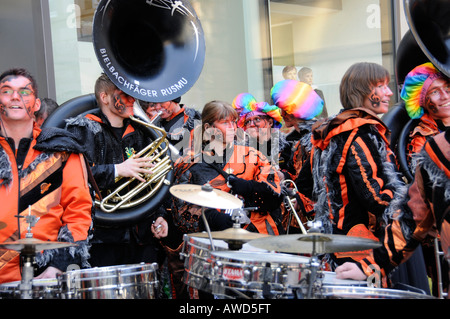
point(427, 40)
point(153, 50)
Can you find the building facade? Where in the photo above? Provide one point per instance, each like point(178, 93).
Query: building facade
point(248, 44)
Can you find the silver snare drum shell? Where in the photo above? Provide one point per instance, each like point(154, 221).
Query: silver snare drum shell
point(197, 260)
point(136, 281)
point(41, 289)
point(355, 292)
point(328, 278)
point(253, 274)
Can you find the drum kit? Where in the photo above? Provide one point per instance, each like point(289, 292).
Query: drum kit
point(138, 281)
point(229, 264)
point(238, 264)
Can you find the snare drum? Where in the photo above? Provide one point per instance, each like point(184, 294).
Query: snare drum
point(329, 279)
point(41, 289)
point(355, 292)
point(256, 275)
point(137, 281)
point(197, 260)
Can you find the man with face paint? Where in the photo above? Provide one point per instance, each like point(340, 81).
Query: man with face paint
point(354, 170)
point(43, 175)
point(426, 93)
point(178, 121)
point(112, 140)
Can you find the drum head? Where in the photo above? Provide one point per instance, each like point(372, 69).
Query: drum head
point(245, 257)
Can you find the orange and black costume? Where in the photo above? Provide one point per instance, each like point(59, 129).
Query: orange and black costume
point(299, 171)
point(250, 175)
point(180, 126)
point(121, 243)
point(423, 212)
point(45, 177)
point(426, 128)
point(355, 176)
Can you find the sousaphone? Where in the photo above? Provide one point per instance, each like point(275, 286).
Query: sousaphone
point(428, 37)
point(427, 40)
point(153, 50)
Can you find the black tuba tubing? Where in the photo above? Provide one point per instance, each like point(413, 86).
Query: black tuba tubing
point(402, 145)
point(72, 108)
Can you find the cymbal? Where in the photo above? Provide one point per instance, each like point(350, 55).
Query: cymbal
point(206, 195)
point(324, 243)
point(33, 244)
point(231, 234)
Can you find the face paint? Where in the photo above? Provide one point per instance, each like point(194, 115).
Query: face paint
point(119, 104)
point(431, 106)
point(123, 103)
point(17, 92)
point(378, 100)
point(375, 100)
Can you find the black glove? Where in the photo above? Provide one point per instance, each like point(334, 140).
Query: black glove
point(240, 186)
point(217, 220)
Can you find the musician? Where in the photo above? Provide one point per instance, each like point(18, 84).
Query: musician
point(233, 168)
point(420, 214)
point(178, 121)
point(112, 139)
point(261, 122)
point(44, 176)
point(299, 104)
point(426, 93)
point(48, 105)
point(354, 170)
point(149, 109)
point(229, 167)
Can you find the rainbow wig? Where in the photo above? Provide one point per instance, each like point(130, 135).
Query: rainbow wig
point(242, 100)
point(248, 106)
point(416, 86)
point(297, 98)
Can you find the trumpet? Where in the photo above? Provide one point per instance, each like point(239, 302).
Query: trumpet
point(289, 203)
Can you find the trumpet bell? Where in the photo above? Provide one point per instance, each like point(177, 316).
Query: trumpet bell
point(152, 50)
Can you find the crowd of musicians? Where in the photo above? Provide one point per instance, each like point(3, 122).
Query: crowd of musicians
point(344, 169)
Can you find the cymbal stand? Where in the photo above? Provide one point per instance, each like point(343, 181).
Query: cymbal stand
point(238, 215)
point(208, 230)
point(314, 265)
point(314, 262)
point(207, 188)
point(27, 254)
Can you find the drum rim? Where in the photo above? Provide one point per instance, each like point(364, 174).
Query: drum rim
point(357, 291)
point(294, 258)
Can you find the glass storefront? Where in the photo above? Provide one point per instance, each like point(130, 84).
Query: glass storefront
point(248, 44)
point(324, 38)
